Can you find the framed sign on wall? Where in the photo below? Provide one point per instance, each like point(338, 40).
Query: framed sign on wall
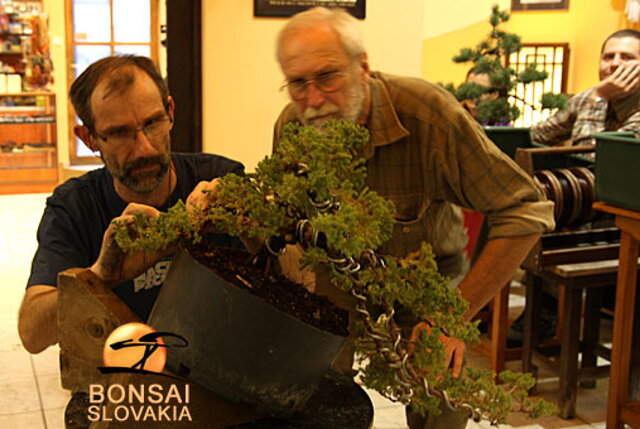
point(539, 4)
point(291, 7)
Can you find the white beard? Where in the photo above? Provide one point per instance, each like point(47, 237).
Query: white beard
point(327, 111)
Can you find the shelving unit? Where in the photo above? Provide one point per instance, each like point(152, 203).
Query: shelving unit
point(28, 158)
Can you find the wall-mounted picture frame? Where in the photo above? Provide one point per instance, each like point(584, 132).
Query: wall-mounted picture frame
point(539, 4)
point(291, 7)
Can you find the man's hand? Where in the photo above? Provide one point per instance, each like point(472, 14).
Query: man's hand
point(621, 83)
point(114, 265)
point(202, 194)
point(453, 347)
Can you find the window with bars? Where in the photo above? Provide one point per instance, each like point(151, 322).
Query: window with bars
point(101, 28)
point(550, 57)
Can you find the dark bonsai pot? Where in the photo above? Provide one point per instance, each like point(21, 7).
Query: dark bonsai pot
point(509, 139)
point(240, 347)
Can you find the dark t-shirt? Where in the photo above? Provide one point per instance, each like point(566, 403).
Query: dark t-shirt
point(80, 210)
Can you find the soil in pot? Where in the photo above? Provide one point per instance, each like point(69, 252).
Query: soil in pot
point(252, 274)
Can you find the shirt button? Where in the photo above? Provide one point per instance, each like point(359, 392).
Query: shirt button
point(406, 229)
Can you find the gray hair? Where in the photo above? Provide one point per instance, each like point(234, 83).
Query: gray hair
point(345, 25)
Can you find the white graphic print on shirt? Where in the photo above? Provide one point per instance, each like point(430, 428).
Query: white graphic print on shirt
point(154, 276)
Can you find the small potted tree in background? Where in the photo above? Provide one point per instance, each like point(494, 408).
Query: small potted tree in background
point(311, 193)
point(493, 101)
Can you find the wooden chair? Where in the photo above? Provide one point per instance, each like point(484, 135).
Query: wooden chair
point(571, 282)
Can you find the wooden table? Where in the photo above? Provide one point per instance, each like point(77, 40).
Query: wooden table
point(624, 383)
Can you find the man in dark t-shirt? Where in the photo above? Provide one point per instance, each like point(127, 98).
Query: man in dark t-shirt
point(126, 115)
point(79, 212)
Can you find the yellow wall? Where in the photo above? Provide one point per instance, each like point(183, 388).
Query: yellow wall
point(241, 76)
point(584, 26)
point(440, 19)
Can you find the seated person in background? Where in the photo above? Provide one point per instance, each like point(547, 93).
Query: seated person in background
point(611, 105)
point(126, 114)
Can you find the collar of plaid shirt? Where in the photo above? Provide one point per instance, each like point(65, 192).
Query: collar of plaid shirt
point(383, 124)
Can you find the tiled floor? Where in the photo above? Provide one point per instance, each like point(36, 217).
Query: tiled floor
point(30, 392)
point(31, 396)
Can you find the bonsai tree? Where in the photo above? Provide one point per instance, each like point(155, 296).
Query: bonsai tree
point(488, 58)
point(312, 193)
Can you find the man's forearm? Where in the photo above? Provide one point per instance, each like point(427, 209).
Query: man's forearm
point(556, 128)
point(38, 318)
point(495, 266)
point(590, 118)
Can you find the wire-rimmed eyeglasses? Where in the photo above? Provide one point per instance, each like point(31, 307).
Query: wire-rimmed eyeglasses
point(154, 130)
point(325, 82)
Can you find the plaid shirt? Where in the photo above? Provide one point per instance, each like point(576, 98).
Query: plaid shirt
point(584, 115)
point(427, 155)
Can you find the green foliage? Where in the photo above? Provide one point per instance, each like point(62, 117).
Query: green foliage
point(496, 108)
point(508, 43)
point(554, 101)
point(146, 233)
point(503, 79)
point(466, 54)
point(314, 186)
point(532, 74)
point(493, 106)
point(470, 91)
point(449, 87)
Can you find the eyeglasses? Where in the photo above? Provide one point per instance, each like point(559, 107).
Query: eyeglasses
point(325, 82)
point(155, 130)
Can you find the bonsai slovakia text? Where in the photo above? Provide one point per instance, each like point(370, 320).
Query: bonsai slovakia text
point(140, 403)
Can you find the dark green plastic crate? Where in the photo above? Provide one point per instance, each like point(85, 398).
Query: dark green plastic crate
point(618, 169)
point(509, 139)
